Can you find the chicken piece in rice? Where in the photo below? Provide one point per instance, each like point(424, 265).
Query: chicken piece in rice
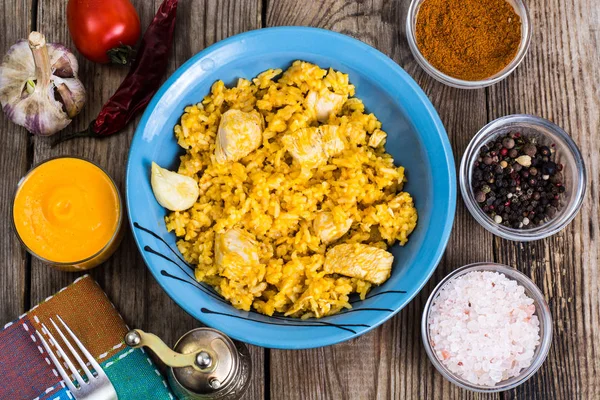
point(235, 251)
point(237, 259)
point(327, 229)
point(324, 104)
point(377, 138)
point(312, 147)
point(239, 134)
point(361, 261)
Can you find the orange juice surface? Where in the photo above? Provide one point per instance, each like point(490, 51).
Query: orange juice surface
point(66, 210)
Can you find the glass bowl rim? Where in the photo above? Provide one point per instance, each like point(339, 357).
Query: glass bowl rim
point(112, 239)
point(526, 24)
point(521, 235)
point(544, 315)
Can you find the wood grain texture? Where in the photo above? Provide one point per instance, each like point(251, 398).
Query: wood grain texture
point(389, 362)
point(200, 24)
point(560, 81)
point(15, 17)
point(124, 277)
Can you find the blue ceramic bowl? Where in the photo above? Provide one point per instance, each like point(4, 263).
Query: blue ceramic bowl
point(416, 139)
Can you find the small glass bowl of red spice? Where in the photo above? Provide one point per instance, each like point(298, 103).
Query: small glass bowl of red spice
point(522, 178)
point(469, 44)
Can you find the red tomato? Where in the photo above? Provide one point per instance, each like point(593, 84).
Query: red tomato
point(102, 29)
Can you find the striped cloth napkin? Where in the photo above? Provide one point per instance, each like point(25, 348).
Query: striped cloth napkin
point(26, 371)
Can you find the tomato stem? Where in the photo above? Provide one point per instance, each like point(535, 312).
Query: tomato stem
point(122, 55)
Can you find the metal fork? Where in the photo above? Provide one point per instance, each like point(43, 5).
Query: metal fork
point(96, 387)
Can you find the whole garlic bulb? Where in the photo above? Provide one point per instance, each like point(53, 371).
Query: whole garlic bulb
point(39, 88)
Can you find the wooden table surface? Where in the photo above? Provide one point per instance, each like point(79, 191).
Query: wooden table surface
point(559, 80)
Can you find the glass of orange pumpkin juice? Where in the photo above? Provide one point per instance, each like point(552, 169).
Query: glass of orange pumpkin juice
point(68, 213)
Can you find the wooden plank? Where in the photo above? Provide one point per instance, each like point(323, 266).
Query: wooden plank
point(14, 163)
point(390, 361)
point(200, 24)
point(559, 81)
point(124, 277)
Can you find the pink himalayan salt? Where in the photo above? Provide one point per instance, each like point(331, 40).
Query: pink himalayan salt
point(483, 328)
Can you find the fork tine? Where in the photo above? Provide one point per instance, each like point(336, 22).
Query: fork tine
point(57, 364)
point(74, 371)
point(85, 352)
point(87, 372)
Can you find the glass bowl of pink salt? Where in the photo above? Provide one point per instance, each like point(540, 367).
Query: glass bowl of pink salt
point(487, 327)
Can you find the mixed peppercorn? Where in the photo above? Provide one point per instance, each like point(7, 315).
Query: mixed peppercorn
point(517, 182)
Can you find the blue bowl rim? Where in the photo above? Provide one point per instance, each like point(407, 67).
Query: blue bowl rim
point(393, 67)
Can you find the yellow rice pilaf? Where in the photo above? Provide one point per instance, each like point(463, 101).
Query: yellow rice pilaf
point(272, 199)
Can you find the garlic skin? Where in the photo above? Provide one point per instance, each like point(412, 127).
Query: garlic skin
point(33, 75)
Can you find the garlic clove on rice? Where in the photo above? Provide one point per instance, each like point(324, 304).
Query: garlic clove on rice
point(173, 191)
point(39, 88)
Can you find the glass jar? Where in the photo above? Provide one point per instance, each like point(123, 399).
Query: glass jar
point(68, 213)
point(542, 311)
point(545, 133)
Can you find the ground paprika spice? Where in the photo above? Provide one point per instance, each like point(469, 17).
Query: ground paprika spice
point(468, 39)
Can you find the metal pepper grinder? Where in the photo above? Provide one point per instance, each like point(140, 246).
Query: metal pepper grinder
point(204, 364)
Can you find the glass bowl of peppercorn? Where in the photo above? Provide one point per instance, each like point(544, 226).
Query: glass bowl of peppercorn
point(469, 44)
point(522, 178)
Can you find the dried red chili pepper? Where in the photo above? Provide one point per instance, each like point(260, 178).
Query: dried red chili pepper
point(143, 80)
